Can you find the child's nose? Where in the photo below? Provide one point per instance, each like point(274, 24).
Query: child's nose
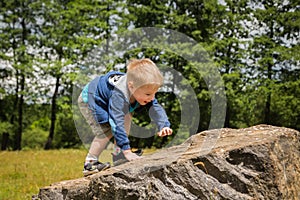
point(152, 97)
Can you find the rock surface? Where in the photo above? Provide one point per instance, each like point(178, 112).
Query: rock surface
point(260, 162)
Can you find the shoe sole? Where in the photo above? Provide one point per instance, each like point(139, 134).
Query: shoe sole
point(87, 173)
point(120, 162)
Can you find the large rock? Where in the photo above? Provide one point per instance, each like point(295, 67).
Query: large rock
point(260, 162)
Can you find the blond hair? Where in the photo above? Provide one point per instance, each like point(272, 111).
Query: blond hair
point(144, 72)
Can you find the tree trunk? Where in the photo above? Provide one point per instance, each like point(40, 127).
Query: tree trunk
point(227, 117)
point(268, 109)
point(18, 138)
point(5, 137)
point(22, 59)
point(48, 144)
point(269, 73)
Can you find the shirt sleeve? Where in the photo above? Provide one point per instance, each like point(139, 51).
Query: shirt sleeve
point(118, 108)
point(158, 115)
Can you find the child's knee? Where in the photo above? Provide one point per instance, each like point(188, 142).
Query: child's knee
point(104, 131)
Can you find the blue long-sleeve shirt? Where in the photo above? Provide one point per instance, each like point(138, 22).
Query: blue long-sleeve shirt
point(109, 102)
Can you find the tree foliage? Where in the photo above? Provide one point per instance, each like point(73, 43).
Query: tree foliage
point(44, 44)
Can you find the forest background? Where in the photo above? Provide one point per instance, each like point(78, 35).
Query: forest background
point(253, 43)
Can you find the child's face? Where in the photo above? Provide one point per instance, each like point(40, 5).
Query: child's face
point(144, 94)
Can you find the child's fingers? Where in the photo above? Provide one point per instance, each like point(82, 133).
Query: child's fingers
point(170, 131)
point(161, 133)
point(165, 132)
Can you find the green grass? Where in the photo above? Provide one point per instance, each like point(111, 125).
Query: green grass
point(22, 173)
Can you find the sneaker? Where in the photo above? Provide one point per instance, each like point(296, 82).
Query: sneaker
point(120, 158)
point(92, 168)
point(138, 152)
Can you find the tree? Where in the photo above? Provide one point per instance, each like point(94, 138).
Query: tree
point(273, 48)
point(71, 29)
point(229, 49)
point(18, 25)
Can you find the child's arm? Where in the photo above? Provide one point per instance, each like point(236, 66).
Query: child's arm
point(117, 112)
point(118, 109)
point(159, 116)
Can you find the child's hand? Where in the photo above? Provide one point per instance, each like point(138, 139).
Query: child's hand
point(165, 131)
point(130, 156)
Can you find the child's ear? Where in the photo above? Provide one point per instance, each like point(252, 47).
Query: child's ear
point(130, 85)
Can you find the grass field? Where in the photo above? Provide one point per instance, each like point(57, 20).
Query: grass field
point(22, 173)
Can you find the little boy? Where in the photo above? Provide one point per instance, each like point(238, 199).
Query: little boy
point(107, 103)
